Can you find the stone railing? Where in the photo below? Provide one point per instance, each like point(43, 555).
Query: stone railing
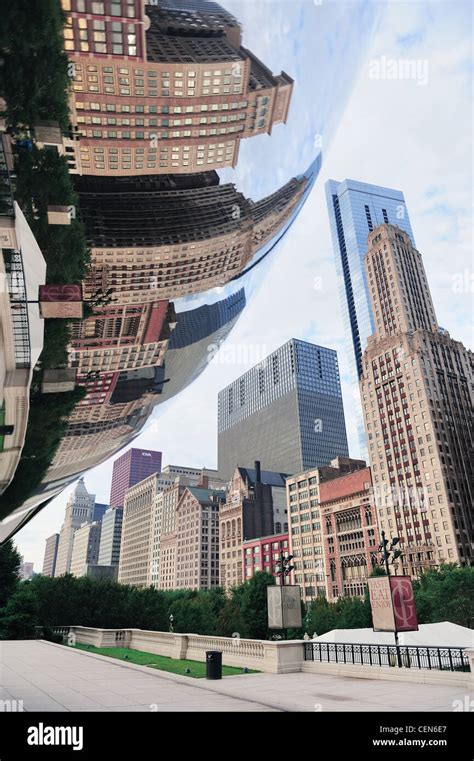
point(262, 655)
point(273, 657)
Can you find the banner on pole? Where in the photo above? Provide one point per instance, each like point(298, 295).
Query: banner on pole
point(383, 617)
point(393, 604)
point(284, 607)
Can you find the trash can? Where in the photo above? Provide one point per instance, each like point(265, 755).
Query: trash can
point(213, 664)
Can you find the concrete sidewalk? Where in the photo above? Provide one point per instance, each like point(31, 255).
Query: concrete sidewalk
point(48, 677)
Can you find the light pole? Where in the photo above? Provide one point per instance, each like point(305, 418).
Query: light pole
point(171, 622)
point(283, 569)
point(386, 549)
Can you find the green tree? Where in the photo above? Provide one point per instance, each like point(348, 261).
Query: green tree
point(352, 613)
point(146, 609)
point(10, 561)
point(252, 596)
point(193, 615)
point(20, 615)
point(446, 594)
point(322, 617)
point(34, 76)
point(230, 620)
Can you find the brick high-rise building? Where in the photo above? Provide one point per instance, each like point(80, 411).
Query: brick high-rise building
point(287, 410)
point(149, 515)
point(349, 533)
point(263, 554)
point(50, 555)
point(417, 397)
point(248, 513)
point(129, 469)
point(163, 571)
point(304, 517)
point(148, 244)
point(163, 89)
point(197, 538)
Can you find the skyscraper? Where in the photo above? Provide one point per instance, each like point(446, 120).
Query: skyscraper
point(129, 469)
point(79, 509)
point(197, 538)
point(417, 396)
point(286, 411)
point(50, 555)
point(110, 536)
point(355, 209)
point(307, 543)
point(98, 512)
point(248, 513)
point(85, 548)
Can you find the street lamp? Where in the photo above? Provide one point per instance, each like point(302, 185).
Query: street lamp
point(387, 551)
point(171, 622)
point(284, 567)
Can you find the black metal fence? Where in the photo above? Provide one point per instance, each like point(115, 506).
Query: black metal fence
point(19, 307)
point(406, 656)
point(6, 196)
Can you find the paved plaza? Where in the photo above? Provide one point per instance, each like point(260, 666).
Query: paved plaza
point(48, 677)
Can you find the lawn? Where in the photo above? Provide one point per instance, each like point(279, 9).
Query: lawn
point(197, 669)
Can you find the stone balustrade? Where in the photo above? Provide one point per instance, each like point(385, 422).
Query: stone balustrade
point(273, 657)
point(262, 655)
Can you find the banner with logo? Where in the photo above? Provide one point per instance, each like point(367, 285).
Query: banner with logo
point(60, 301)
point(403, 604)
point(383, 616)
point(393, 604)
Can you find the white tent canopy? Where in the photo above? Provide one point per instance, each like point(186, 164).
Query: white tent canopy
point(444, 634)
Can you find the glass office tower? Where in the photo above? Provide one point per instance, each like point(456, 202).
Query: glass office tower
point(286, 411)
point(355, 209)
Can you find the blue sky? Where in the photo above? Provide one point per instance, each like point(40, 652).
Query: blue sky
point(395, 132)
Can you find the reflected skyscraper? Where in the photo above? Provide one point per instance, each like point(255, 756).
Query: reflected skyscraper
point(160, 88)
point(168, 244)
point(126, 398)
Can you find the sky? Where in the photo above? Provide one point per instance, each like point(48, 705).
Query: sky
point(407, 124)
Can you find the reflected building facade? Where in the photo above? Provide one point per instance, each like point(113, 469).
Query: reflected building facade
point(160, 89)
point(167, 244)
point(119, 411)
